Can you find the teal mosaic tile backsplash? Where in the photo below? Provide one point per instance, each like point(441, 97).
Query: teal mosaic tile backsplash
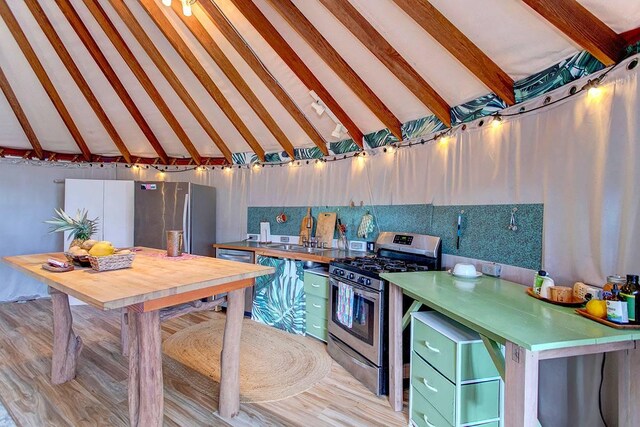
point(484, 227)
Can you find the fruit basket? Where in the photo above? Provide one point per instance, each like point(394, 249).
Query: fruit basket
point(81, 260)
point(111, 262)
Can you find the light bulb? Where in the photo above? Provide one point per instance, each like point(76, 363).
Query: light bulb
point(443, 139)
point(497, 121)
point(166, 2)
point(186, 8)
point(594, 91)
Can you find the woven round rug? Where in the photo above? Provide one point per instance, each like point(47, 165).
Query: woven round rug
point(274, 364)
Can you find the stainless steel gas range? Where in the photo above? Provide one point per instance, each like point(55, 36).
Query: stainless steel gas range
point(358, 302)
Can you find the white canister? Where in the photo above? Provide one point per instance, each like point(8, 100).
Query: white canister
point(265, 232)
point(547, 282)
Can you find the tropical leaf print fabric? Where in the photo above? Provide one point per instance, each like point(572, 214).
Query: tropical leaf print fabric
point(279, 299)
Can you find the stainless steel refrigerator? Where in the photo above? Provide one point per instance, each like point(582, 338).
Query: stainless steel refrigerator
point(163, 206)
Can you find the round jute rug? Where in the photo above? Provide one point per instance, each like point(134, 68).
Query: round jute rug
point(274, 364)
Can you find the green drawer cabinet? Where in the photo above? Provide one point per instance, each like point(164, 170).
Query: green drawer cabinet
point(316, 289)
point(453, 380)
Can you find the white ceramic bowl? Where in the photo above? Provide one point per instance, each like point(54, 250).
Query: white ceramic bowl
point(464, 270)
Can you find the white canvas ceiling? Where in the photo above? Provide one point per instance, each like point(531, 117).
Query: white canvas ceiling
point(515, 37)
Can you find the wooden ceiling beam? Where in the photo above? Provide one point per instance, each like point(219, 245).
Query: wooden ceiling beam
point(118, 42)
point(149, 47)
point(20, 115)
point(192, 63)
point(223, 25)
point(41, 74)
point(332, 58)
point(584, 28)
point(293, 61)
point(68, 157)
point(94, 50)
point(459, 45)
point(171, 34)
point(382, 49)
point(64, 55)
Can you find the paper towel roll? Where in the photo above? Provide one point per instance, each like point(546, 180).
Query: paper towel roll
point(265, 231)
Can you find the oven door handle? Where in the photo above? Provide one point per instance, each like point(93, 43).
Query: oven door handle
point(358, 289)
point(353, 359)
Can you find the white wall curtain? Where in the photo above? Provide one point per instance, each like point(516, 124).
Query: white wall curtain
point(580, 157)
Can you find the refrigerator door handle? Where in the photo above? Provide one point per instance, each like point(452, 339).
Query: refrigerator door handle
point(185, 224)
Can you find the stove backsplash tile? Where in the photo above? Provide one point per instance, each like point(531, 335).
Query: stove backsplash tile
point(485, 232)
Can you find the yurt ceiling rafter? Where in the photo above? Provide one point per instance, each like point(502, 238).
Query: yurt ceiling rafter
point(111, 75)
point(216, 53)
point(581, 26)
point(282, 62)
point(112, 33)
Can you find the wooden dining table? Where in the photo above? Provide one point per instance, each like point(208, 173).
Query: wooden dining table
point(154, 283)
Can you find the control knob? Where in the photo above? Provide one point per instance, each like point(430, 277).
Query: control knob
point(351, 276)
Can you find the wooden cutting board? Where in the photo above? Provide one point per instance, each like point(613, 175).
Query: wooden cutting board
point(326, 228)
point(306, 227)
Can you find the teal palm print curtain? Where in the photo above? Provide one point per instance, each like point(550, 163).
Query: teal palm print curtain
point(279, 299)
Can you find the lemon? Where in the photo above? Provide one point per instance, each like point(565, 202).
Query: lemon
point(102, 249)
point(597, 308)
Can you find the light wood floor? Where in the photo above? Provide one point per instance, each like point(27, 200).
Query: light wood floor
point(98, 395)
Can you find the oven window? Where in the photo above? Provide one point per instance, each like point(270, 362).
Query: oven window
point(362, 325)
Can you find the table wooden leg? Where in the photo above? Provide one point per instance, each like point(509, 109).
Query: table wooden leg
point(395, 347)
point(66, 345)
point(124, 332)
point(521, 387)
point(628, 362)
point(229, 401)
point(146, 400)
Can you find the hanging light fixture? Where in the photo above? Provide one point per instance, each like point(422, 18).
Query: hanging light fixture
point(318, 108)
point(166, 2)
point(186, 7)
point(338, 131)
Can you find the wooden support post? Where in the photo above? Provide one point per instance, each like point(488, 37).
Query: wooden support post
point(229, 400)
point(146, 399)
point(521, 387)
point(495, 352)
point(124, 332)
point(628, 362)
point(634, 379)
point(395, 347)
point(66, 345)
point(406, 319)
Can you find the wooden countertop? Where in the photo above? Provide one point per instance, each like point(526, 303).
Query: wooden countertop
point(151, 277)
point(324, 257)
point(502, 311)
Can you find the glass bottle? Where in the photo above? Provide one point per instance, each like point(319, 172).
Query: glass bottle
point(616, 306)
point(629, 291)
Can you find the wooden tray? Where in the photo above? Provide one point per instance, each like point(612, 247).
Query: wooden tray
point(609, 323)
point(54, 269)
point(573, 303)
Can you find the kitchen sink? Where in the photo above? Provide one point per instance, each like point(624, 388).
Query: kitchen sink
point(295, 248)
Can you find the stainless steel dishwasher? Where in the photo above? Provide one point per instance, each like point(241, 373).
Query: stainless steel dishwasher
point(239, 256)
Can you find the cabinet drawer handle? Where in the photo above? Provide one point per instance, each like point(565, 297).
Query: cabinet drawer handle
point(426, 420)
point(316, 305)
point(426, 384)
point(435, 350)
point(315, 326)
point(313, 285)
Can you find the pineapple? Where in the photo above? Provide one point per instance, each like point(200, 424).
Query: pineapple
point(81, 227)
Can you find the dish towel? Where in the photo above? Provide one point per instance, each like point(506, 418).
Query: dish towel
point(345, 304)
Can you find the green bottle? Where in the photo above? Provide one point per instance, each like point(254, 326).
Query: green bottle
point(629, 291)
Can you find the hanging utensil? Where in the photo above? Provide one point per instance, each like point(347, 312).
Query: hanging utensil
point(512, 221)
point(459, 230)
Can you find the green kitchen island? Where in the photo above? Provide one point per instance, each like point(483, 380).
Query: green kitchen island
point(530, 330)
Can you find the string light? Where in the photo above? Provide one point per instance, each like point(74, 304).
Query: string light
point(592, 87)
point(497, 120)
